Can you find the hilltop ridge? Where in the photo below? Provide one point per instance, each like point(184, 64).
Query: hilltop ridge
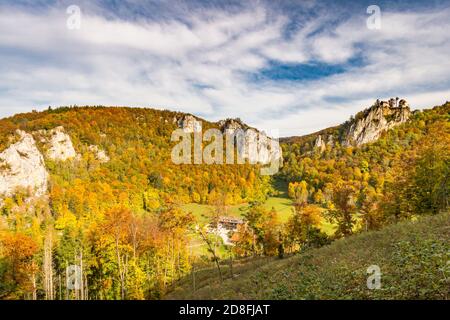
point(364, 127)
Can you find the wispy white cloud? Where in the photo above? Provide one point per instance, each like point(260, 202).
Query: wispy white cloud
point(203, 63)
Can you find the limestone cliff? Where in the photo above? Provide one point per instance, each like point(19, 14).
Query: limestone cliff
point(257, 146)
point(232, 125)
point(189, 124)
point(22, 164)
point(22, 167)
point(369, 124)
point(320, 143)
point(58, 144)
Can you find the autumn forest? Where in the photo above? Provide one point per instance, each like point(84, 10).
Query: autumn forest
point(133, 225)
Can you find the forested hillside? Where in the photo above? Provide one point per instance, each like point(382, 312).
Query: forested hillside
point(120, 218)
point(138, 144)
point(404, 173)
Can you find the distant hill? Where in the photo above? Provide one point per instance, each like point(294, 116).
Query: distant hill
point(365, 127)
point(136, 144)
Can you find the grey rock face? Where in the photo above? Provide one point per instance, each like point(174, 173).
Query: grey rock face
point(253, 145)
point(22, 167)
point(372, 122)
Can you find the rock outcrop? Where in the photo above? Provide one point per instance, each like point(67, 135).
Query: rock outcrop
point(58, 143)
point(255, 146)
point(320, 143)
point(22, 168)
point(22, 164)
point(99, 154)
point(369, 124)
point(330, 141)
point(189, 124)
point(231, 125)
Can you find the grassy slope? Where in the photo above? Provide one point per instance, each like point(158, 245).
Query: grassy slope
point(413, 257)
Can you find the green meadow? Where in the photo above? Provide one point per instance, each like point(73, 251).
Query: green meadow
point(282, 205)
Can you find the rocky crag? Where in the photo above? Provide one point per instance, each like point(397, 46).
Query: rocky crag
point(368, 125)
point(257, 147)
point(22, 165)
point(58, 144)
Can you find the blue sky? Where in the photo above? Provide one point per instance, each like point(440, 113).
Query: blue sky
point(292, 66)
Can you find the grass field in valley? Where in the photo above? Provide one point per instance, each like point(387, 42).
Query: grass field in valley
point(282, 205)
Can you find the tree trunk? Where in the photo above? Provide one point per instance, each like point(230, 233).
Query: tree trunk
point(48, 267)
point(60, 287)
point(213, 252)
point(34, 286)
point(231, 266)
point(193, 278)
point(67, 282)
point(81, 276)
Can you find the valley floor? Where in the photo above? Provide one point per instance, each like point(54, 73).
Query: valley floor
point(282, 205)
